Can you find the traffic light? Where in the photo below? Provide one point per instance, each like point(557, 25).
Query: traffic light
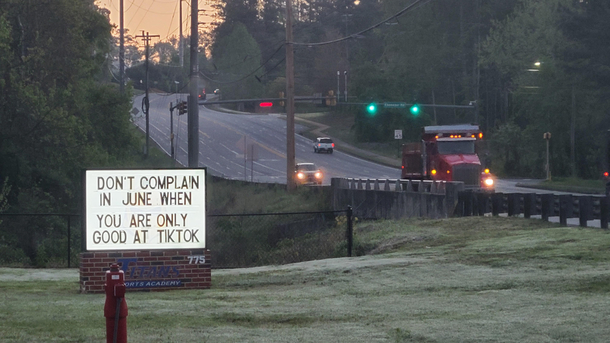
point(282, 103)
point(182, 107)
point(371, 108)
point(415, 109)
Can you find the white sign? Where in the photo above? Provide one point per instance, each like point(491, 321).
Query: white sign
point(397, 134)
point(145, 209)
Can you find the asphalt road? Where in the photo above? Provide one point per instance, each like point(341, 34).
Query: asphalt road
point(252, 147)
point(248, 146)
point(227, 143)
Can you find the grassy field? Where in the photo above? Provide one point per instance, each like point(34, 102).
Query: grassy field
point(455, 280)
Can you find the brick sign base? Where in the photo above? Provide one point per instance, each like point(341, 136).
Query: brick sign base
point(156, 270)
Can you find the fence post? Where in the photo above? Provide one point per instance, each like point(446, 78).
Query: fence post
point(603, 212)
point(565, 203)
point(467, 203)
point(529, 202)
point(584, 206)
point(483, 200)
point(496, 204)
point(69, 234)
point(350, 231)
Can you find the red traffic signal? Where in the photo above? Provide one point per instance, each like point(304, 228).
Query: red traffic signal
point(266, 104)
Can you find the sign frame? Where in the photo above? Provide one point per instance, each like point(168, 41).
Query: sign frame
point(146, 209)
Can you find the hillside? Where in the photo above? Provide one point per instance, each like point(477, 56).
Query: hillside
point(465, 279)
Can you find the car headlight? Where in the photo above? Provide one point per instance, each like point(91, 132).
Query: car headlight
point(300, 175)
point(318, 175)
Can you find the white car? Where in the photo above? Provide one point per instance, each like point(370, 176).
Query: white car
point(323, 144)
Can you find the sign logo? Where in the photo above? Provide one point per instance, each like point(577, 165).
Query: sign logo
point(149, 276)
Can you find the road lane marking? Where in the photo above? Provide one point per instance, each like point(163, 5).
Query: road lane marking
point(251, 139)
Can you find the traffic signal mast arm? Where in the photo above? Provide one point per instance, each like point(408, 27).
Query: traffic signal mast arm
point(259, 100)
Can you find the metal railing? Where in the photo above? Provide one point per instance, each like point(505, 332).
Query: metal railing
point(564, 206)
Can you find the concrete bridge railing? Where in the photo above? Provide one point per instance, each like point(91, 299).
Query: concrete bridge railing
point(396, 198)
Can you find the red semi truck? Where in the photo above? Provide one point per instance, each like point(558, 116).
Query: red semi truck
point(449, 153)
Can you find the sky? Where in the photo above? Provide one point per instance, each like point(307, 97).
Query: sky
point(157, 17)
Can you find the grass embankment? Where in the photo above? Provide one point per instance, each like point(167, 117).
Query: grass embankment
point(467, 279)
point(339, 126)
point(574, 185)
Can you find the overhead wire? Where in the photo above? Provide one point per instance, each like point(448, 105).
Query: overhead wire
point(144, 16)
point(354, 35)
point(311, 44)
point(246, 76)
point(172, 20)
point(393, 17)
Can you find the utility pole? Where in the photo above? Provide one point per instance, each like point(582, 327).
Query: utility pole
point(121, 50)
point(338, 86)
point(346, 18)
point(145, 101)
point(181, 45)
point(290, 153)
point(345, 90)
point(193, 102)
point(573, 134)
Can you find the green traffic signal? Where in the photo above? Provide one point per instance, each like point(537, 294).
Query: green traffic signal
point(415, 109)
point(372, 108)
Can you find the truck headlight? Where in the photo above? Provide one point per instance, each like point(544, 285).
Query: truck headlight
point(318, 175)
point(300, 175)
point(489, 182)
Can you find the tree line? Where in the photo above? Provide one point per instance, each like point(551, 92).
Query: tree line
point(531, 66)
point(59, 114)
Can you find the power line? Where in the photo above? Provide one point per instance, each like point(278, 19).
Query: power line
point(354, 35)
point(246, 76)
point(172, 20)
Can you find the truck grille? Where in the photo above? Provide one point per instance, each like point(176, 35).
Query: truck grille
point(470, 174)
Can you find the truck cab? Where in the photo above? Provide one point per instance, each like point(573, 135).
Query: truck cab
point(447, 153)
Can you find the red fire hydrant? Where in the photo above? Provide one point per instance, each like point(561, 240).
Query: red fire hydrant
point(115, 308)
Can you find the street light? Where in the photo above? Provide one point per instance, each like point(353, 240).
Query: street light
point(177, 82)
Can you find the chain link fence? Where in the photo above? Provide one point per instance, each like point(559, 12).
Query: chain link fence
point(236, 240)
point(40, 239)
point(246, 240)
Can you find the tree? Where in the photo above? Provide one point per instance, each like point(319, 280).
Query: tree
point(556, 95)
point(237, 57)
point(56, 118)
